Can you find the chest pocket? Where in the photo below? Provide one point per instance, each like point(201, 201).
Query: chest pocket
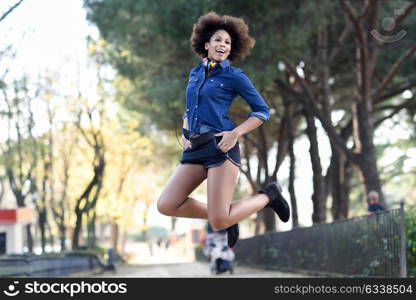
point(193, 80)
point(220, 86)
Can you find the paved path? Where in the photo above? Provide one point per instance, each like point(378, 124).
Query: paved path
point(176, 262)
point(191, 269)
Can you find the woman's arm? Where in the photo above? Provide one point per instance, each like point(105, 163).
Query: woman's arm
point(260, 112)
point(185, 123)
point(248, 92)
point(230, 137)
point(247, 126)
point(186, 143)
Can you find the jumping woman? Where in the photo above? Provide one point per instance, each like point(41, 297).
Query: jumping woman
point(211, 139)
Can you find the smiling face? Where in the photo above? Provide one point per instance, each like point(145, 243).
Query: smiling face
point(219, 46)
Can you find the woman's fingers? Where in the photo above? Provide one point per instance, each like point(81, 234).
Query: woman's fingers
point(186, 143)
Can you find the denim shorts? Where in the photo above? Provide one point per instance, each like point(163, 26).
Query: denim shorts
point(210, 155)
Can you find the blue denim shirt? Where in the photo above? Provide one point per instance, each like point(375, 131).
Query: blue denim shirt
point(208, 99)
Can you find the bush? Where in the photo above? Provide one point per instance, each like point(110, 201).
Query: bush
point(411, 241)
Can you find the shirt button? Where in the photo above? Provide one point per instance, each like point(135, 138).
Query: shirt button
point(212, 80)
point(187, 109)
point(222, 84)
point(196, 106)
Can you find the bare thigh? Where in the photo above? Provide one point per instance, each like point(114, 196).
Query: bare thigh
point(221, 184)
point(185, 179)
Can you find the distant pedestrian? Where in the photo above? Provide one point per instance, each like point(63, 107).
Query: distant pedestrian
point(374, 204)
point(221, 256)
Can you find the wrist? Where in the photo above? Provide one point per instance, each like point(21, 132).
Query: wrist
point(237, 132)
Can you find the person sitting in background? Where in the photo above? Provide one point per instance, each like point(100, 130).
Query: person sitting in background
point(374, 202)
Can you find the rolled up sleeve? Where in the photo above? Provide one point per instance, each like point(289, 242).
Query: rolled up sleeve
point(249, 93)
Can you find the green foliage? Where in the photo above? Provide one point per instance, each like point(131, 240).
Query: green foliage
point(411, 241)
point(390, 51)
point(148, 43)
point(398, 177)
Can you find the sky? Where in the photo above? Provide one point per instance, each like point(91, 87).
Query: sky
point(46, 34)
point(48, 37)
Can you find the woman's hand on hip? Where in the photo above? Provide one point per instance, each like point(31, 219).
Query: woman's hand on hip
point(186, 143)
point(228, 141)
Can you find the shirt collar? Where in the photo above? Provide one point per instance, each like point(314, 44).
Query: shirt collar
point(225, 63)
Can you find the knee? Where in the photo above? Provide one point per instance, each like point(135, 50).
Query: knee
point(218, 222)
point(164, 208)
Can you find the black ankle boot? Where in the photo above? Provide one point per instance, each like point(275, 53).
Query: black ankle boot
point(276, 201)
point(232, 235)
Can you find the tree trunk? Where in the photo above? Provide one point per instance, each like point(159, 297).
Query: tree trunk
point(339, 195)
point(92, 191)
point(363, 128)
point(29, 238)
point(336, 182)
point(91, 236)
point(114, 236)
point(173, 223)
point(292, 169)
point(366, 160)
point(341, 172)
point(318, 196)
point(51, 237)
point(62, 236)
point(269, 219)
point(295, 218)
point(259, 223)
point(77, 230)
point(346, 187)
point(42, 222)
point(269, 216)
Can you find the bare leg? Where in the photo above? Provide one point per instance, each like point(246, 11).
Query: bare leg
point(174, 200)
point(221, 184)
